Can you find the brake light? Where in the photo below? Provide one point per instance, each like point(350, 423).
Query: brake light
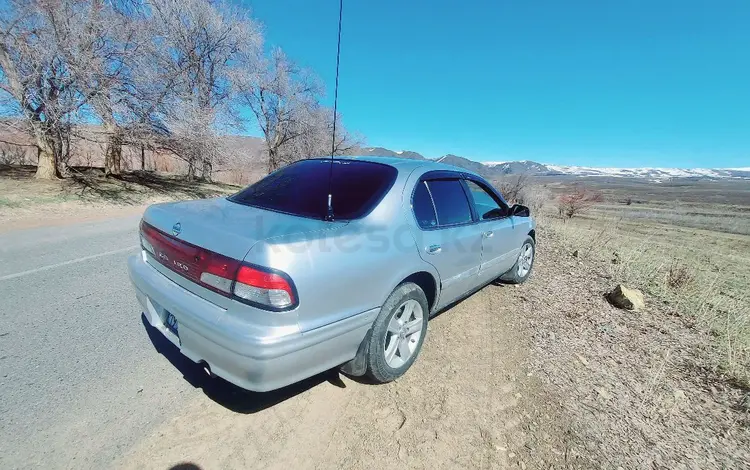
point(255, 285)
point(218, 271)
point(266, 287)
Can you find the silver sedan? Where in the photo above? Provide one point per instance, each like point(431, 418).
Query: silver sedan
point(325, 263)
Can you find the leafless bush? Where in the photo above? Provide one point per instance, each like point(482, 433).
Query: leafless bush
point(512, 187)
point(521, 189)
point(578, 200)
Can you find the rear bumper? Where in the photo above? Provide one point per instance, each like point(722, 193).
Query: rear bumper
point(258, 362)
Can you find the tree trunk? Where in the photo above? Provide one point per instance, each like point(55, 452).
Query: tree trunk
point(46, 167)
point(191, 169)
point(113, 157)
point(206, 170)
point(273, 163)
point(143, 158)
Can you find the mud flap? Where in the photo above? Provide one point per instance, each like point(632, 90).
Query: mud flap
point(357, 367)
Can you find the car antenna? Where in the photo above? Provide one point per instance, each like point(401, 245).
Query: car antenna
point(329, 217)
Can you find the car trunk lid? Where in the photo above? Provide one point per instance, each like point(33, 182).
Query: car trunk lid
point(223, 227)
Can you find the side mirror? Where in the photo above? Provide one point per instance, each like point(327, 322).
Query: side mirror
point(520, 211)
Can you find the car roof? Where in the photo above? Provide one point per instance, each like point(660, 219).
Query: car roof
point(408, 164)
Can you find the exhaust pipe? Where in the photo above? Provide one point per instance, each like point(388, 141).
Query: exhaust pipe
point(207, 369)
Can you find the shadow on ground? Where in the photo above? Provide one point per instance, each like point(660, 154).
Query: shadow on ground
point(129, 188)
point(226, 394)
point(185, 466)
point(17, 172)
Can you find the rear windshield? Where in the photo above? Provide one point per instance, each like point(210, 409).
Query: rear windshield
point(302, 188)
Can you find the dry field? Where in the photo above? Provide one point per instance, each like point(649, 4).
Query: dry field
point(687, 245)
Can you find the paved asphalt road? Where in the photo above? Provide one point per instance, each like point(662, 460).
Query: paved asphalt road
point(80, 380)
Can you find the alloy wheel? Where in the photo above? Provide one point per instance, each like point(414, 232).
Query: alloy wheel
point(403, 333)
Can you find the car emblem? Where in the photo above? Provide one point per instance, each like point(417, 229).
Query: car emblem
point(176, 229)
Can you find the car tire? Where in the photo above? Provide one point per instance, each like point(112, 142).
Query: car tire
point(391, 330)
point(521, 270)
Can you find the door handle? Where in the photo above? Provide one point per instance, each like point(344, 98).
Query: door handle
point(434, 249)
point(488, 234)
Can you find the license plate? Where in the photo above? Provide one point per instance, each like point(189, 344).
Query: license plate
point(171, 324)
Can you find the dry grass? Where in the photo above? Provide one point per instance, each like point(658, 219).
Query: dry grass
point(698, 273)
point(88, 185)
point(26, 202)
point(634, 385)
point(679, 276)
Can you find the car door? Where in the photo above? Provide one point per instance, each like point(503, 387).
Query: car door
point(448, 238)
point(497, 228)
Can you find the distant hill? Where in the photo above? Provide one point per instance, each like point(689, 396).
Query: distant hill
point(462, 162)
point(383, 152)
point(531, 168)
point(243, 160)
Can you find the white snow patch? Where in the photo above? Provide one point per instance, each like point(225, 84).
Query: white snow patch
point(643, 172)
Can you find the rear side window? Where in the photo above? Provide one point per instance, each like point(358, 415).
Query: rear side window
point(450, 202)
point(424, 211)
point(301, 188)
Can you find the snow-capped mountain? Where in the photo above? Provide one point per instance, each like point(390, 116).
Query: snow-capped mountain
point(497, 168)
point(653, 173)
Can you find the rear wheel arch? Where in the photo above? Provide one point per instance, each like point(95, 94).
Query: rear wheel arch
point(427, 283)
point(532, 234)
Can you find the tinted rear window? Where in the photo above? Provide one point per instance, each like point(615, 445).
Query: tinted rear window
point(302, 188)
point(450, 202)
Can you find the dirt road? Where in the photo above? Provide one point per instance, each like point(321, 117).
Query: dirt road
point(460, 406)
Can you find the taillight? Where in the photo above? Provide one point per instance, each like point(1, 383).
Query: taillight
point(265, 287)
point(218, 271)
point(145, 243)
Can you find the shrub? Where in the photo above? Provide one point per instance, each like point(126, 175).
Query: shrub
point(577, 201)
point(520, 189)
point(513, 187)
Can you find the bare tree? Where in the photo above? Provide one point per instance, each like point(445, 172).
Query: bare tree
point(37, 39)
point(199, 47)
point(155, 73)
point(513, 186)
point(315, 138)
point(284, 99)
point(163, 75)
point(113, 78)
point(577, 201)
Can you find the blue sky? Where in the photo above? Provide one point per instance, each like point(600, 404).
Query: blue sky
point(600, 83)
